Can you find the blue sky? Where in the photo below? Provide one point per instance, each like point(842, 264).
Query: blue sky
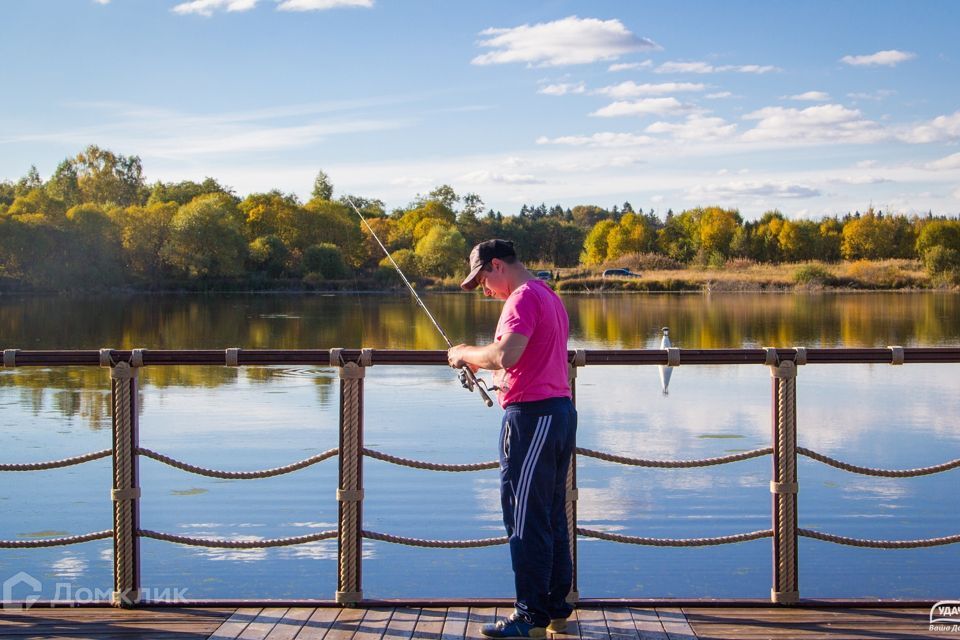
point(811, 107)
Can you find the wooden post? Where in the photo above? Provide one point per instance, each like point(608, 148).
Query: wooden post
point(350, 491)
point(784, 485)
point(126, 486)
point(572, 494)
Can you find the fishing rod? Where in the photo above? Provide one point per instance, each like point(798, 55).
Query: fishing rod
point(468, 378)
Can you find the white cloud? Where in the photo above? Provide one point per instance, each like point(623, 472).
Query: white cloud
point(735, 190)
point(887, 58)
point(956, 194)
point(571, 40)
point(207, 7)
point(944, 164)
point(603, 140)
point(102, 1)
point(631, 89)
point(809, 96)
point(696, 129)
point(879, 94)
point(320, 5)
point(488, 177)
point(175, 135)
point(859, 180)
point(719, 94)
point(823, 123)
point(562, 88)
point(640, 107)
point(704, 67)
point(627, 66)
point(939, 129)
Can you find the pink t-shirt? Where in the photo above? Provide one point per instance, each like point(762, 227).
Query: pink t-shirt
point(534, 310)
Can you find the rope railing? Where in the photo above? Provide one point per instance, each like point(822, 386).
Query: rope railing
point(674, 464)
point(435, 544)
point(55, 542)
point(57, 464)
point(880, 473)
point(238, 475)
point(782, 363)
point(429, 466)
point(879, 544)
point(218, 543)
point(675, 542)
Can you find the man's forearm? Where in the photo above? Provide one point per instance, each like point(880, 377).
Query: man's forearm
point(486, 357)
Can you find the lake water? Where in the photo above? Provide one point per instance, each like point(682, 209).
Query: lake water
point(258, 417)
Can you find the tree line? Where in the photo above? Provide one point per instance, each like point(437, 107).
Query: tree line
point(97, 222)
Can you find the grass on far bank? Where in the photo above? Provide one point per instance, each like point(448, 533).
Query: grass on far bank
point(747, 275)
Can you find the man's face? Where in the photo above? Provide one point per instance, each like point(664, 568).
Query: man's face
point(494, 281)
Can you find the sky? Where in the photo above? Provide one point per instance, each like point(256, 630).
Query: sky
point(813, 108)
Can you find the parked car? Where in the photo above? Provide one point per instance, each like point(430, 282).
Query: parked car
point(619, 273)
point(544, 275)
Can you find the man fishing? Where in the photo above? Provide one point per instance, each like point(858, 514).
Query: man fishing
point(529, 358)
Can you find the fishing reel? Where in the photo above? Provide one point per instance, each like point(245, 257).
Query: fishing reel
point(471, 381)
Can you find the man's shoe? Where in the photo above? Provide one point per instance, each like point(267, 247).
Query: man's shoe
point(557, 625)
point(513, 627)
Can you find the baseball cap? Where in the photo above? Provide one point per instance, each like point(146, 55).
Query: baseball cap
point(482, 254)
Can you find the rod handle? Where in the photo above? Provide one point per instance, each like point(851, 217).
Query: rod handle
point(472, 377)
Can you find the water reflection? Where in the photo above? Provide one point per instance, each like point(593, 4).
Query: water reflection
point(258, 417)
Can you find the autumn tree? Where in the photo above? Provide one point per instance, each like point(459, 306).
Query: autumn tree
point(206, 239)
point(442, 252)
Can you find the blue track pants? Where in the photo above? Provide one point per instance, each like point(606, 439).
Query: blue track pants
point(536, 444)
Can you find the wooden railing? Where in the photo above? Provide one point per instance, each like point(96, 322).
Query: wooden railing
point(352, 363)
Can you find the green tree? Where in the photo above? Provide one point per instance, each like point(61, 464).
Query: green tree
point(938, 233)
point(441, 252)
point(106, 177)
point(595, 246)
point(322, 187)
point(330, 222)
point(144, 232)
point(325, 259)
point(268, 254)
point(717, 228)
point(865, 238)
point(64, 184)
point(408, 262)
point(184, 191)
point(266, 213)
point(206, 240)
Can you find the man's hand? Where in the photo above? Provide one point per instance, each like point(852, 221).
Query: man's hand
point(455, 358)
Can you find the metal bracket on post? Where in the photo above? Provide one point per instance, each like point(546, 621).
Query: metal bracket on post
point(579, 360)
point(350, 489)
point(126, 486)
point(784, 486)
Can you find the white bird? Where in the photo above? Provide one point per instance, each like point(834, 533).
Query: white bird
point(665, 370)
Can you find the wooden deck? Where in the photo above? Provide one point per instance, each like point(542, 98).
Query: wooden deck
point(617, 623)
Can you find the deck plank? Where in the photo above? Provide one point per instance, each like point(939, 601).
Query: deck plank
point(235, 624)
point(620, 623)
point(675, 624)
point(374, 623)
point(402, 623)
point(290, 624)
point(346, 624)
point(319, 623)
point(430, 624)
point(479, 616)
point(384, 623)
point(455, 623)
point(593, 626)
point(263, 624)
point(648, 624)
